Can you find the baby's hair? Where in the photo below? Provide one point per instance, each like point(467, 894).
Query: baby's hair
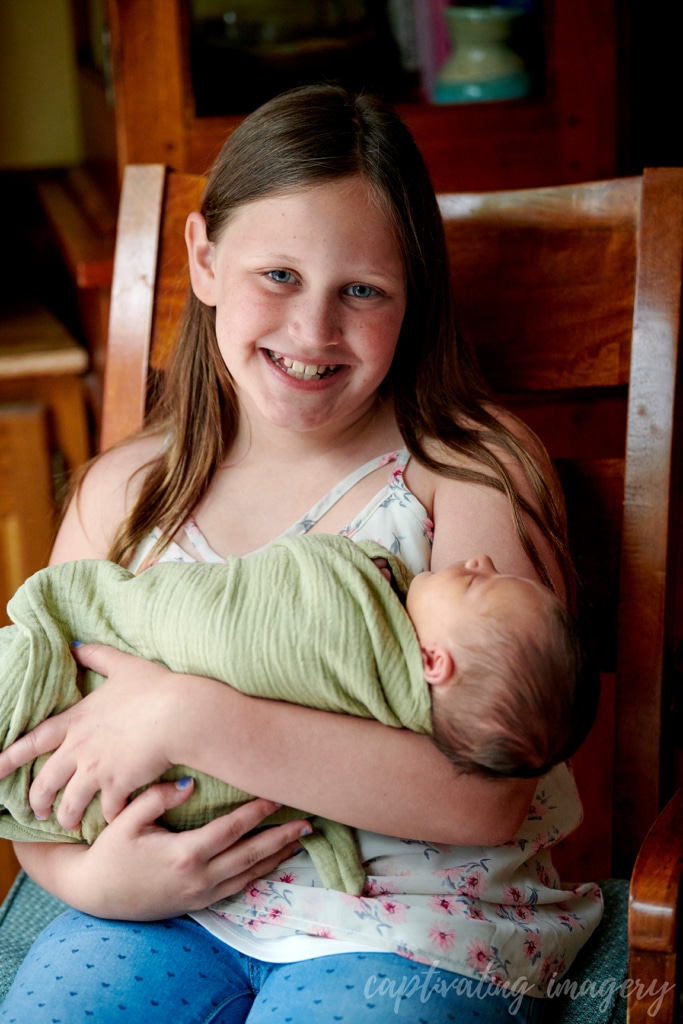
point(525, 699)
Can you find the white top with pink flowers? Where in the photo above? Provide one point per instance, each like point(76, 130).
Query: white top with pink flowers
point(499, 914)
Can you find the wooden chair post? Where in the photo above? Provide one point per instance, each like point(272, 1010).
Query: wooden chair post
point(130, 322)
point(645, 588)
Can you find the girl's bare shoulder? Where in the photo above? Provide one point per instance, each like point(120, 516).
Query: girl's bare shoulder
point(103, 497)
point(471, 519)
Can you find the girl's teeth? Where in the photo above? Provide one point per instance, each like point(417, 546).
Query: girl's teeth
point(302, 371)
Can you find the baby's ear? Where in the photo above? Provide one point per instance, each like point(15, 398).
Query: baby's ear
point(438, 665)
point(200, 256)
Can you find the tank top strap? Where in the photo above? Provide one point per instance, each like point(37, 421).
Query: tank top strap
point(205, 553)
point(398, 458)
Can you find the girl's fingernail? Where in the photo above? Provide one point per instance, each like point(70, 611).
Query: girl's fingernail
point(183, 783)
point(38, 817)
point(76, 643)
point(305, 831)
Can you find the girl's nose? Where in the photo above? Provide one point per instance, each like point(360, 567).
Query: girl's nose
point(480, 563)
point(315, 321)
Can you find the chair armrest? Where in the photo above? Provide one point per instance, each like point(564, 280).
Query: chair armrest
point(654, 915)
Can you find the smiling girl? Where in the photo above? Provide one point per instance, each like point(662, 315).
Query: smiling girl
point(318, 385)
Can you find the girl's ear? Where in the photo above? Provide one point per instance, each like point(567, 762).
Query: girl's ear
point(438, 665)
point(200, 254)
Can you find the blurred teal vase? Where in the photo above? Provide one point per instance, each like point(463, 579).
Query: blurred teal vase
point(481, 66)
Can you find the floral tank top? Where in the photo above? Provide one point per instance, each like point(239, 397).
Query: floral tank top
point(499, 914)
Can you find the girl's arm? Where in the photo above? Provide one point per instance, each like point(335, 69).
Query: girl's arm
point(137, 870)
point(353, 770)
point(357, 771)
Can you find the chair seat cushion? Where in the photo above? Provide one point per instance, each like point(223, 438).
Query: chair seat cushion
point(589, 993)
point(26, 911)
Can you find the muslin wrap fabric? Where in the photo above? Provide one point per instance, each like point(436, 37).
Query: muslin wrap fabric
point(309, 620)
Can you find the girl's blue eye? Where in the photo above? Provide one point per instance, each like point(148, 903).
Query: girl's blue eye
point(280, 276)
point(361, 291)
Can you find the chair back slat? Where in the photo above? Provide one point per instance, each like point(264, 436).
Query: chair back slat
point(132, 302)
point(519, 259)
point(183, 193)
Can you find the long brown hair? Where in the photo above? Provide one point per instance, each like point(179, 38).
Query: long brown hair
point(301, 138)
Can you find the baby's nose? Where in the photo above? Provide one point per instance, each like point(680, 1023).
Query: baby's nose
point(481, 562)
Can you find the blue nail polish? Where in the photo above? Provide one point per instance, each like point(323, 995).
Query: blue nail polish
point(183, 783)
point(76, 643)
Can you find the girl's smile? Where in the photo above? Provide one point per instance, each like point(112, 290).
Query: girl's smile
point(309, 289)
point(301, 371)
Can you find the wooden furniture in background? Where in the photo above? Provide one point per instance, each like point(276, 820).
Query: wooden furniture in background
point(44, 434)
point(27, 507)
point(568, 132)
point(40, 361)
point(572, 296)
point(81, 215)
point(27, 519)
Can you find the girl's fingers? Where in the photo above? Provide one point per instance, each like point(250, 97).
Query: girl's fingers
point(45, 737)
point(144, 811)
point(212, 839)
point(188, 870)
point(78, 794)
point(55, 775)
point(100, 658)
point(223, 832)
point(231, 884)
point(42, 797)
point(229, 859)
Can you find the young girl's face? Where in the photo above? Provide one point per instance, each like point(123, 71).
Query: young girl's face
point(309, 289)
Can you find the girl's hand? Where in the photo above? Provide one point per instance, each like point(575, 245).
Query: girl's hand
point(113, 741)
point(138, 871)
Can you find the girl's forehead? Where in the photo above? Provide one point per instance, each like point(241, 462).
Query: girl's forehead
point(347, 206)
point(353, 189)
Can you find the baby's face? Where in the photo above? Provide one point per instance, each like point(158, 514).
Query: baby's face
point(451, 599)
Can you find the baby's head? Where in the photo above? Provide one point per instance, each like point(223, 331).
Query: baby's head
point(512, 690)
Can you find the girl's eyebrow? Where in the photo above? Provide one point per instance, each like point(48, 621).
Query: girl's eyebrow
point(357, 274)
point(274, 257)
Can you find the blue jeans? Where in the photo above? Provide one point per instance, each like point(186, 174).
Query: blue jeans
point(175, 972)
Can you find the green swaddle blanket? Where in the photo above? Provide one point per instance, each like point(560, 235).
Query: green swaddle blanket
point(309, 620)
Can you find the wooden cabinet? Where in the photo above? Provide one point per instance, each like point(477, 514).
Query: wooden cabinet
point(566, 133)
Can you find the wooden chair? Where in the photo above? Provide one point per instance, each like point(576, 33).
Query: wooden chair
point(572, 297)
point(44, 434)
